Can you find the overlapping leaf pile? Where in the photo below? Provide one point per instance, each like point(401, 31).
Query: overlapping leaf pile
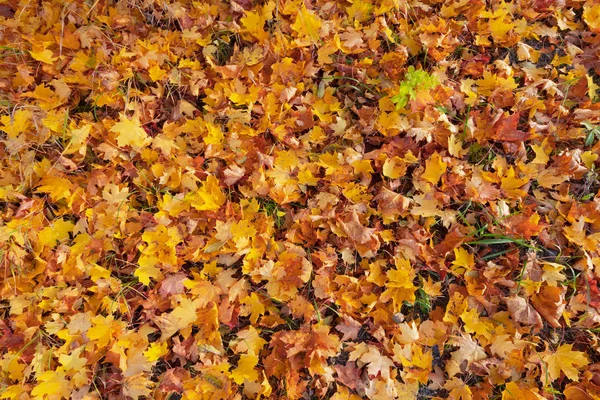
point(286, 199)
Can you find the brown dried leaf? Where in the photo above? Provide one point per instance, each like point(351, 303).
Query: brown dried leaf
point(523, 312)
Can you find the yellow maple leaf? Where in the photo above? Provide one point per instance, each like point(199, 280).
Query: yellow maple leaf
point(591, 15)
point(466, 86)
point(12, 366)
point(103, 329)
point(553, 273)
point(185, 313)
point(455, 146)
point(307, 23)
point(253, 23)
point(209, 197)
point(566, 360)
point(541, 153)
point(394, 168)
point(249, 341)
point(513, 391)
point(435, 167)
point(51, 384)
point(43, 55)
point(360, 11)
point(253, 306)
point(156, 73)
point(431, 287)
point(458, 389)
point(96, 272)
point(243, 231)
point(500, 22)
point(147, 269)
point(412, 355)
point(73, 361)
point(57, 232)
point(477, 325)
point(130, 133)
point(115, 194)
point(463, 260)
point(245, 370)
point(156, 351)
point(305, 177)
point(511, 184)
point(16, 123)
point(214, 134)
point(592, 87)
point(589, 159)
point(78, 142)
point(57, 188)
point(13, 392)
point(400, 285)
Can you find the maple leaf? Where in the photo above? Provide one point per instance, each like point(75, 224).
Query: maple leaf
point(287, 275)
point(591, 16)
point(307, 23)
point(130, 133)
point(78, 141)
point(245, 370)
point(58, 188)
point(137, 386)
point(463, 260)
point(523, 312)
point(553, 273)
point(114, 194)
point(377, 363)
point(549, 302)
point(185, 313)
point(476, 324)
point(541, 153)
point(173, 284)
point(248, 340)
point(253, 23)
point(400, 287)
point(514, 391)
point(156, 351)
point(73, 361)
point(58, 232)
point(254, 307)
point(208, 197)
point(458, 389)
point(51, 384)
point(394, 168)
point(505, 344)
point(43, 55)
point(565, 360)
point(102, 330)
point(469, 351)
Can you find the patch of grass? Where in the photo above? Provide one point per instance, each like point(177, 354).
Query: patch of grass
point(571, 282)
point(272, 209)
point(420, 308)
point(414, 81)
point(7, 51)
point(479, 154)
point(225, 43)
point(491, 239)
point(422, 302)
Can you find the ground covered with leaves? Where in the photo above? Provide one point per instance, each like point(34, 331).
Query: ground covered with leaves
point(299, 199)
